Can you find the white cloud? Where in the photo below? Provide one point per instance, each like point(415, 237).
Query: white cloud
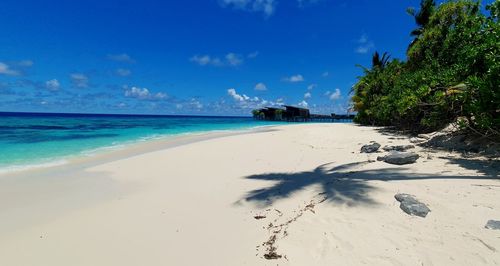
point(230, 59)
point(234, 59)
point(333, 95)
point(79, 80)
point(311, 87)
point(14, 68)
point(123, 72)
point(196, 104)
point(144, 94)
point(121, 58)
point(307, 1)
point(138, 93)
point(307, 95)
point(247, 103)
point(204, 60)
point(363, 49)
point(253, 55)
point(53, 85)
point(237, 97)
point(25, 63)
point(265, 6)
point(260, 87)
point(303, 104)
point(363, 38)
point(160, 95)
point(325, 74)
point(294, 78)
point(337, 107)
point(364, 44)
point(6, 70)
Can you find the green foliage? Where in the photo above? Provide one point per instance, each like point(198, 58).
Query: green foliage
point(257, 114)
point(278, 114)
point(452, 70)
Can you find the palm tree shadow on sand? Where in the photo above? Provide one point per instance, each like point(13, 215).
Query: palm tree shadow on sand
point(342, 184)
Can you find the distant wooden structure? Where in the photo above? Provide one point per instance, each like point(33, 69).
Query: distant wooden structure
point(297, 114)
point(271, 113)
point(346, 117)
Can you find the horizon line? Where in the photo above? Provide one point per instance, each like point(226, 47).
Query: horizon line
point(113, 114)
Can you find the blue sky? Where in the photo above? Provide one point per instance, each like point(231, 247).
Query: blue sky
point(210, 57)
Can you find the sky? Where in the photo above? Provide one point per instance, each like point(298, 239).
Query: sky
point(191, 57)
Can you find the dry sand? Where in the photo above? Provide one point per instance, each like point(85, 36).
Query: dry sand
point(318, 200)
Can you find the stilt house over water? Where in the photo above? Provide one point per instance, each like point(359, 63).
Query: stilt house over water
point(295, 114)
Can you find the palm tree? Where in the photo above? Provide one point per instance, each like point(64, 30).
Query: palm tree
point(377, 63)
point(380, 62)
point(422, 17)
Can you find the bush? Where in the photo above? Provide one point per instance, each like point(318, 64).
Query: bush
point(452, 70)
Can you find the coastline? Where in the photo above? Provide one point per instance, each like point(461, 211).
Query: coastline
point(128, 149)
point(196, 203)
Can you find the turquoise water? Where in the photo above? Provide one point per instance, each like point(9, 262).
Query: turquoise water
point(28, 139)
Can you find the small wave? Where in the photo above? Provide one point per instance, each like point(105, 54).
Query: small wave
point(23, 167)
point(92, 152)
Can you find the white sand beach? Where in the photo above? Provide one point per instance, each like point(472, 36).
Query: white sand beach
point(193, 201)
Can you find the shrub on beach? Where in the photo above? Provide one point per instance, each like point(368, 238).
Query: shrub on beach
point(452, 70)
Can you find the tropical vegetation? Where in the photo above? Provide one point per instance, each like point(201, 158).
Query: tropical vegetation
point(451, 73)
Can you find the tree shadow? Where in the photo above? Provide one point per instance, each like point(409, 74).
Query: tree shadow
point(333, 182)
point(394, 132)
point(485, 167)
point(459, 141)
point(342, 184)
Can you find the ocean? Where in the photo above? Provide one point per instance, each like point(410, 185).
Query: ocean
point(37, 139)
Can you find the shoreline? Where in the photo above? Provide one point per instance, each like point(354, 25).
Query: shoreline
point(299, 194)
point(127, 149)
